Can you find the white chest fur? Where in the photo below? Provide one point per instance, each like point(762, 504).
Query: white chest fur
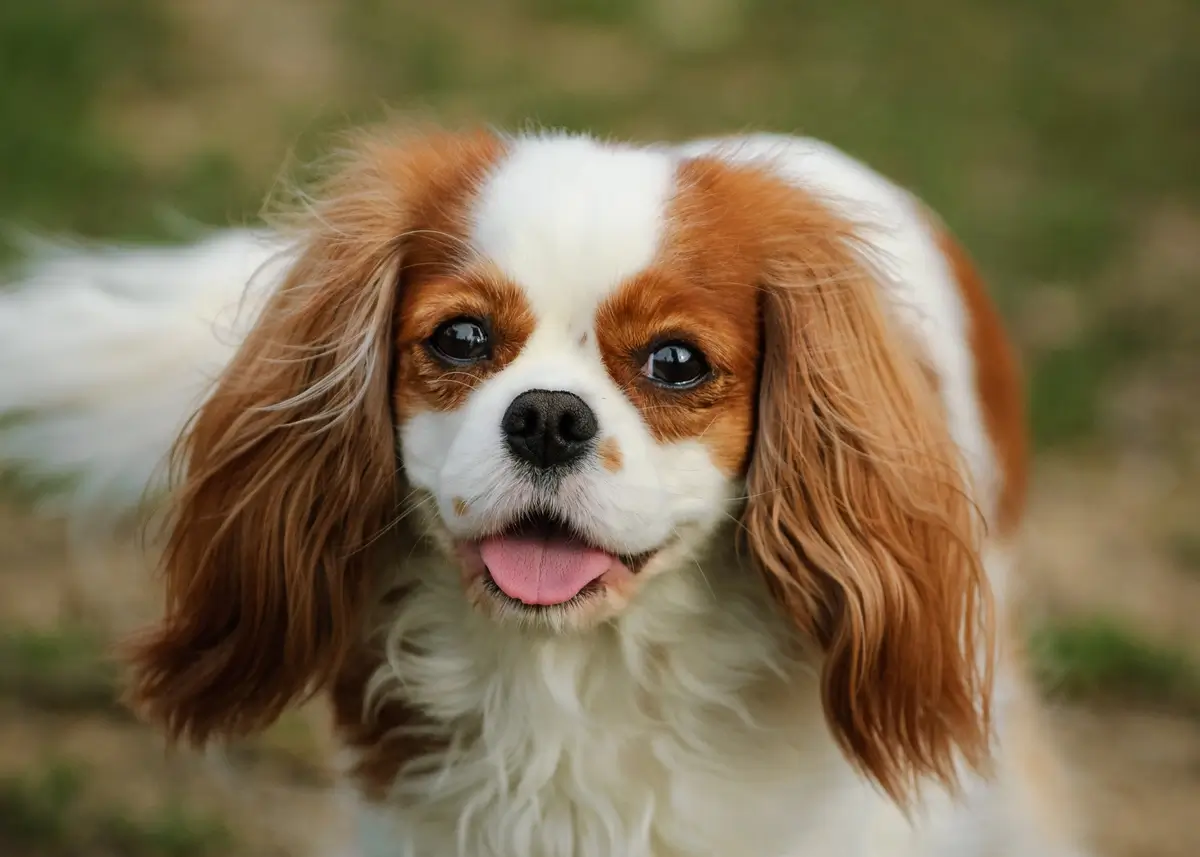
point(685, 730)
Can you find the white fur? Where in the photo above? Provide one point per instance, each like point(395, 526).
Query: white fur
point(568, 221)
point(460, 455)
point(106, 352)
point(685, 728)
point(636, 739)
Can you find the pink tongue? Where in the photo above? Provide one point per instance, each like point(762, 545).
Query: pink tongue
point(542, 571)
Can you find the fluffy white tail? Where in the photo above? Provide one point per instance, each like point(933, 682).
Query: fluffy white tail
point(106, 352)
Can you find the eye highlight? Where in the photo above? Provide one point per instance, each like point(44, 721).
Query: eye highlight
point(676, 365)
point(462, 340)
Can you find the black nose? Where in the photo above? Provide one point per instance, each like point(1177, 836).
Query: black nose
point(547, 428)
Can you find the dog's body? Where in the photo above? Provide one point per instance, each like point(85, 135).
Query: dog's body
point(788, 643)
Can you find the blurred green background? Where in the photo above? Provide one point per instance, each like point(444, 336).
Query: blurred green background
point(1060, 139)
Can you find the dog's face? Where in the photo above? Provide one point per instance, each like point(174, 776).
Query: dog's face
point(572, 363)
point(575, 398)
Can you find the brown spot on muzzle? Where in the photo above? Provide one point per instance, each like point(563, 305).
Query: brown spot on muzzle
point(610, 455)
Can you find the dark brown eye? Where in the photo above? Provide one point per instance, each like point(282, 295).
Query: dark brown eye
point(462, 340)
point(678, 365)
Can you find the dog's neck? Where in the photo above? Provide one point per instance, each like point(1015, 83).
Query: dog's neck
point(698, 682)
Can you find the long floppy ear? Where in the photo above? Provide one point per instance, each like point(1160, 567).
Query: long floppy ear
point(860, 514)
point(290, 468)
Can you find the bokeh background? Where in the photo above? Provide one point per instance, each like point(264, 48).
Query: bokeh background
point(1059, 138)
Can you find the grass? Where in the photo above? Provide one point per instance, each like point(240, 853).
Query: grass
point(1069, 385)
point(19, 486)
point(60, 168)
point(65, 671)
point(36, 809)
point(70, 671)
point(172, 832)
point(1184, 549)
point(1043, 132)
point(46, 814)
point(1101, 660)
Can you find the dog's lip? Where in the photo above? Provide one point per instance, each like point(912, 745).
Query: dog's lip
point(474, 570)
point(557, 526)
point(592, 589)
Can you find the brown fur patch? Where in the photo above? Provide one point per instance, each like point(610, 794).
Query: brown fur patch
point(704, 290)
point(375, 735)
point(461, 506)
point(425, 383)
point(857, 513)
point(610, 455)
point(998, 381)
point(290, 466)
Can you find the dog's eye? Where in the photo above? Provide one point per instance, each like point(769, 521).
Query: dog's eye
point(676, 364)
point(461, 340)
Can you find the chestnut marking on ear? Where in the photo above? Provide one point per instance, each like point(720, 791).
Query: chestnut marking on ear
point(859, 513)
point(287, 473)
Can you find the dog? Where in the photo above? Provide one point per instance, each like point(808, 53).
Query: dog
point(622, 500)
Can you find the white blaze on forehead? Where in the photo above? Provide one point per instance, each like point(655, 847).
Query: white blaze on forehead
point(569, 218)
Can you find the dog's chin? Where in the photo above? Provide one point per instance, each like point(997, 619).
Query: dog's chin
point(539, 572)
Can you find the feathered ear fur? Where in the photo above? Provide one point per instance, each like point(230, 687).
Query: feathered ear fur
point(859, 514)
point(290, 469)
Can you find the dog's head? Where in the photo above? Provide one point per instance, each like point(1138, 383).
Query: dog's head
point(570, 364)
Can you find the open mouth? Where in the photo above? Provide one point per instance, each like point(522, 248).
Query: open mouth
point(542, 561)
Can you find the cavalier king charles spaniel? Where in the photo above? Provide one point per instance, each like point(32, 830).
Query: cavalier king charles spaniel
point(623, 501)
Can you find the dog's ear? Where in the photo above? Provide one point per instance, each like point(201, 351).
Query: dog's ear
point(860, 514)
point(289, 470)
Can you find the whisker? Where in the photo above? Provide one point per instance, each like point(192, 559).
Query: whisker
point(699, 568)
point(396, 520)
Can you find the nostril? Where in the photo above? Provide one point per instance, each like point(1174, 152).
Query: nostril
point(577, 424)
point(523, 421)
point(547, 428)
